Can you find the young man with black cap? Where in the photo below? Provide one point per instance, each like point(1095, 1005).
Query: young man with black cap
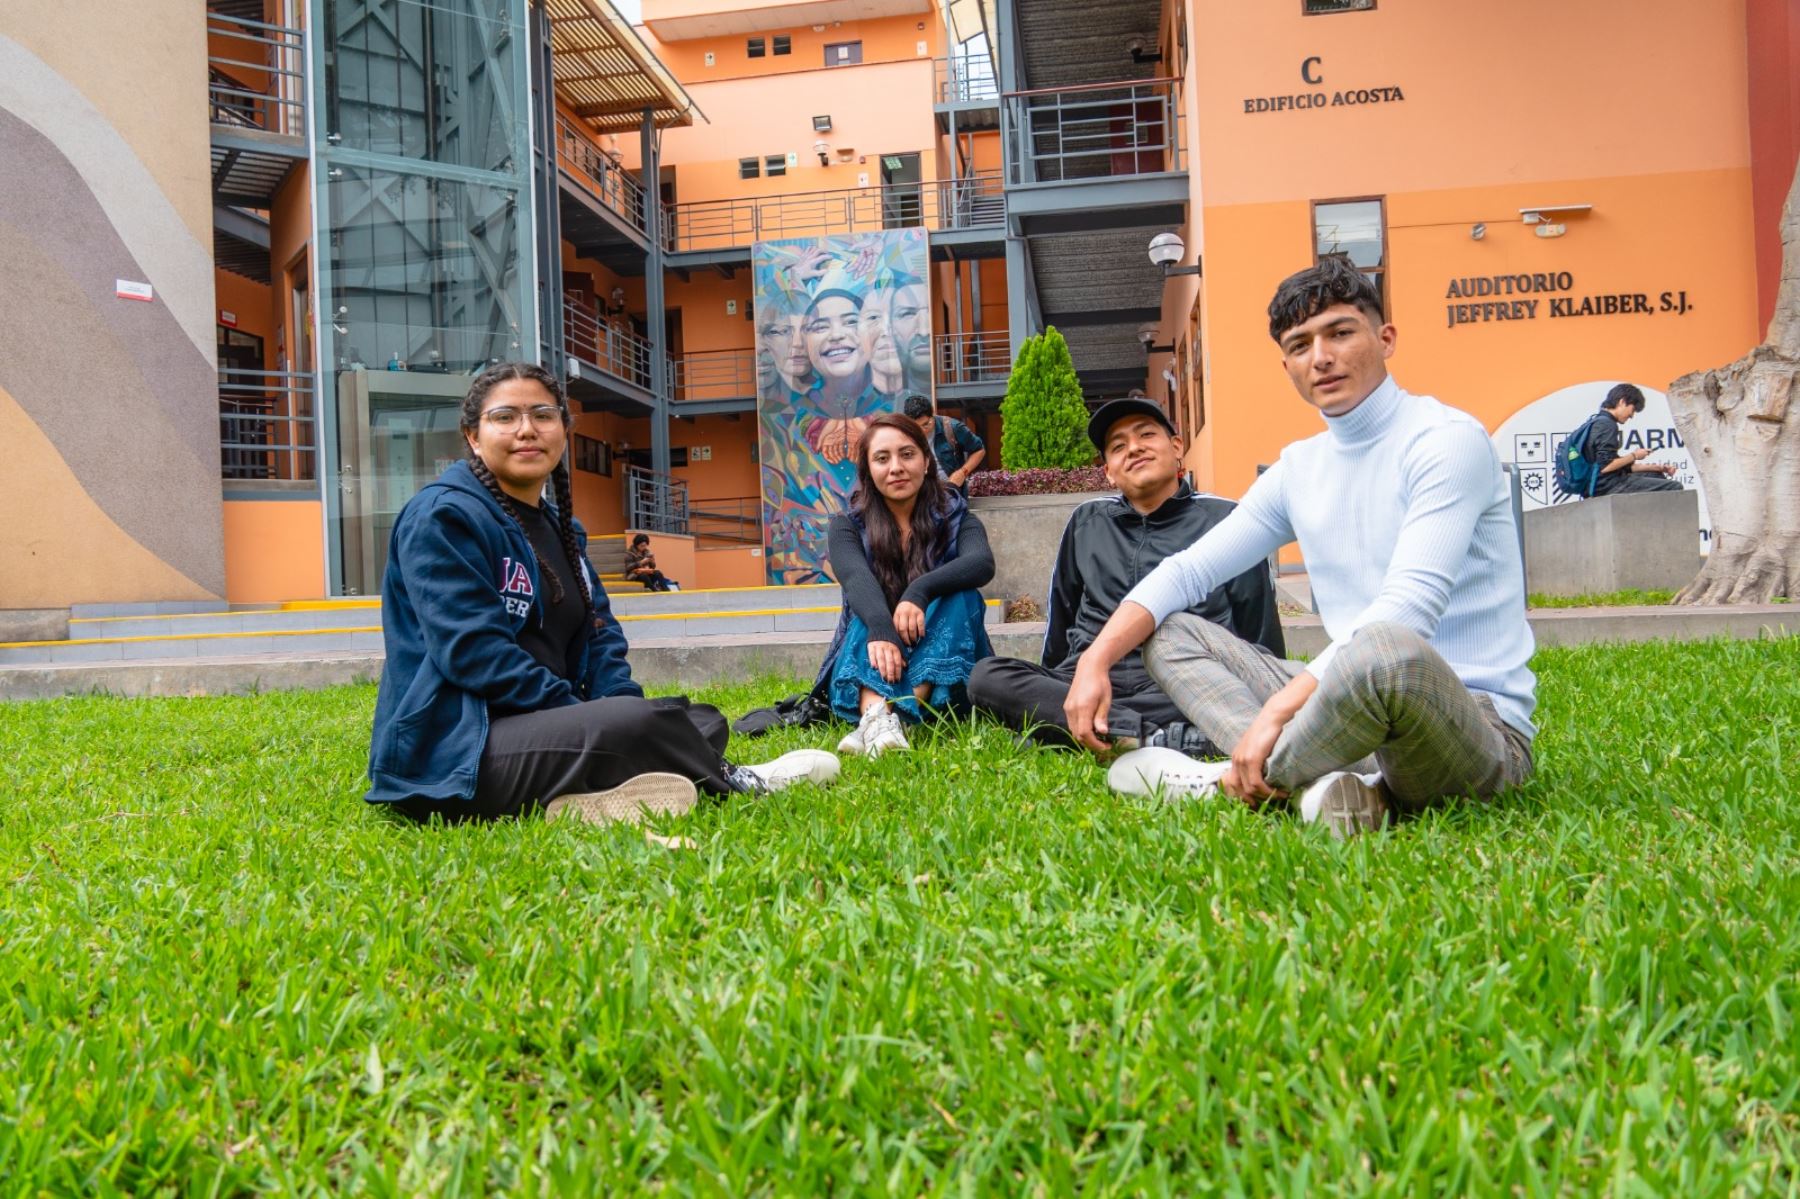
point(1107, 548)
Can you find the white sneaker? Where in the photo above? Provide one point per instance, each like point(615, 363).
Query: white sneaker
point(795, 766)
point(1166, 772)
point(659, 793)
point(1346, 803)
point(877, 732)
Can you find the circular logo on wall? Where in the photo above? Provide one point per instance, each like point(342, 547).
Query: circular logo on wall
point(1531, 436)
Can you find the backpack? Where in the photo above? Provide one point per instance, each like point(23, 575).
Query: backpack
point(1575, 474)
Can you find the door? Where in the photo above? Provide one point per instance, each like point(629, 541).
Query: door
point(902, 206)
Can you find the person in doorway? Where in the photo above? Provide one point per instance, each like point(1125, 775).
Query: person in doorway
point(1405, 519)
point(506, 690)
point(1107, 548)
point(953, 444)
point(910, 557)
point(640, 566)
point(1624, 471)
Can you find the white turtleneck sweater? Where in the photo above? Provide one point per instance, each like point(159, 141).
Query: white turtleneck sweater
point(1403, 515)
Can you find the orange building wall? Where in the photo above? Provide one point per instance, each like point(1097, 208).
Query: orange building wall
point(887, 39)
point(884, 109)
point(1523, 118)
point(1773, 38)
point(274, 550)
point(249, 303)
point(729, 566)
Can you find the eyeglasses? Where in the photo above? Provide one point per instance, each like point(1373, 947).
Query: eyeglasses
point(544, 416)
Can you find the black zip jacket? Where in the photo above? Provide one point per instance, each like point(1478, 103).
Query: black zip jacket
point(1107, 549)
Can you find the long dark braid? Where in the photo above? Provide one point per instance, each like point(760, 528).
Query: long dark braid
point(477, 395)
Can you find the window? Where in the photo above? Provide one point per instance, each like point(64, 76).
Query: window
point(782, 45)
point(749, 168)
point(775, 164)
point(843, 54)
point(594, 457)
point(1357, 230)
point(1313, 8)
point(754, 47)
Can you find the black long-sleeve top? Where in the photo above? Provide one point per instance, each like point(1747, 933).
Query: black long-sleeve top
point(973, 566)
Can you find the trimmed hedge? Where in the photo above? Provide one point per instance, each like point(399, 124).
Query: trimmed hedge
point(1039, 481)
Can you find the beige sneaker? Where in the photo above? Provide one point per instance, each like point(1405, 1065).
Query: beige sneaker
point(658, 794)
point(1346, 803)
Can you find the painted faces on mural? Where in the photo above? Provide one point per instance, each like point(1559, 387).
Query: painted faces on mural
point(911, 318)
point(833, 333)
point(878, 335)
point(782, 344)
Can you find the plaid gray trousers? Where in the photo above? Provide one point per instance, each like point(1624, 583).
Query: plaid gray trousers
point(1388, 696)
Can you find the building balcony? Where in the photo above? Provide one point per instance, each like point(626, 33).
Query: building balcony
point(609, 366)
point(1078, 156)
point(970, 366)
point(710, 381)
point(602, 206)
point(965, 81)
point(725, 229)
point(256, 92)
point(268, 431)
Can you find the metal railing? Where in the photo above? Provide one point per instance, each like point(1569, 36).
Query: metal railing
point(267, 425)
point(256, 75)
point(972, 357)
point(964, 79)
point(714, 375)
point(655, 503)
point(1102, 130)
point(970, 202)
point(738, 520)
point(619, 352)
point(600, 174)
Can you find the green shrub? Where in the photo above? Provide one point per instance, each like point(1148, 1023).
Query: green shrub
point(1045, 419)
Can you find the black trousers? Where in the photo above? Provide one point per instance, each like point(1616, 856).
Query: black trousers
point(1020, 694)
point(532, 758)
point(1630, 483)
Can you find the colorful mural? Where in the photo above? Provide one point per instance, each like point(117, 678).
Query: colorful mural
point(843, 331)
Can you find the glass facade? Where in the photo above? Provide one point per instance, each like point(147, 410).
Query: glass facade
point(422, 183)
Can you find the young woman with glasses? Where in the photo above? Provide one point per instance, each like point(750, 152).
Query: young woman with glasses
point(506, 691)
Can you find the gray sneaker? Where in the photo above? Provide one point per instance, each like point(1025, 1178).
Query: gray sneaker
point(1346, 803)
point(656, 793)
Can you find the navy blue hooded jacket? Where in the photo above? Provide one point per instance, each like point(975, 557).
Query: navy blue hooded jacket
point(461, 582)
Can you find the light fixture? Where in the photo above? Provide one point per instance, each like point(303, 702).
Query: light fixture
point(1147, 336)
point(1536, 213)
point(617, 307)
point(1166, 249)
point(822, 124)
point(823, 150)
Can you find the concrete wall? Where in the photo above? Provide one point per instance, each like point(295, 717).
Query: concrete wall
point(108, 406)
point(1025, 531)
point(1613, 543)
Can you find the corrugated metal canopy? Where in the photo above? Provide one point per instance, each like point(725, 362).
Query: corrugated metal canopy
point(605, 72)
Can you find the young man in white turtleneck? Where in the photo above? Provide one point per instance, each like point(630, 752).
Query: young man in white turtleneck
point(1405, 520)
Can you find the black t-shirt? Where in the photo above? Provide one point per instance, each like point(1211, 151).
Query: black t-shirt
point(1603, 442)
point(554, 644)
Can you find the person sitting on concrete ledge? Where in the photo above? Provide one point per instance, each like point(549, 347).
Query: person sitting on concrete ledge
point(640, 566)
point(910, 557)
point(506, 691)
point(1107, 548)
point(1405, 520)
point(1624, 472)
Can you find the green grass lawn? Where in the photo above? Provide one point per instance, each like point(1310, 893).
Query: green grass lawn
point(964, 970)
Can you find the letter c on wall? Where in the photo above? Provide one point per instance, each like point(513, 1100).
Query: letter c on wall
point(1306, 69)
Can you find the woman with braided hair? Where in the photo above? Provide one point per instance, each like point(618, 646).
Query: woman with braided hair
point(506, 690)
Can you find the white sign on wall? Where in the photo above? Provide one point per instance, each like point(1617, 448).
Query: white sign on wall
point(1529, 438)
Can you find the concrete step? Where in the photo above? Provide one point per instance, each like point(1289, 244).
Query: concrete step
point(633, 600)
point(696, 661)
point(335, 626)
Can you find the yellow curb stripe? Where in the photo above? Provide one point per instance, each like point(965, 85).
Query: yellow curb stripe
point(184, 637)
point(179, 616)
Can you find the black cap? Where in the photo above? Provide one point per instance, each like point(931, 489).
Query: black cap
point(1114, 411)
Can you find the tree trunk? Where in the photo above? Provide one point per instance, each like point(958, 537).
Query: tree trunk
point(1743, 433)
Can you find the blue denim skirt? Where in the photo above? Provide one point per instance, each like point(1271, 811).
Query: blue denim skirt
point(955, 639)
